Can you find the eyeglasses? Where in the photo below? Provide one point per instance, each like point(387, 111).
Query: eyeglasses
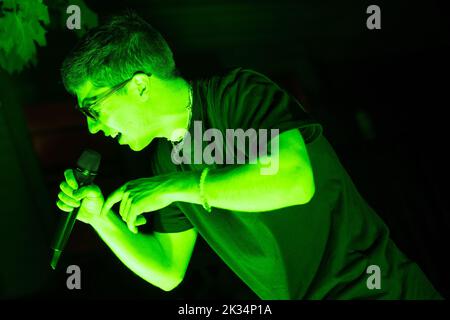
point(89, 111)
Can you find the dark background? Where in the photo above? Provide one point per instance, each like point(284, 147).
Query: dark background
point(380, 94)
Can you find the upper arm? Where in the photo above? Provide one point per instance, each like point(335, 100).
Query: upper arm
point(292, 150)
point(293, 159)
point(178, 248)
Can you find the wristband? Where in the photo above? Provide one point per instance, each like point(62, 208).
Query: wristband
point(205, 204)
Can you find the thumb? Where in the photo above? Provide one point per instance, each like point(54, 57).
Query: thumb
point(91, 191)
point(140, 221)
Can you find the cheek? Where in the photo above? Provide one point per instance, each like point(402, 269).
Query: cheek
point(120, 118)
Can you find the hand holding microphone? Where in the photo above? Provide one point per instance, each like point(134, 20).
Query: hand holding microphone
point(69, 199)
point(89, 197)
point(81, 199)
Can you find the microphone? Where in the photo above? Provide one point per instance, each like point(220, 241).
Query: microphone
point(85, 173)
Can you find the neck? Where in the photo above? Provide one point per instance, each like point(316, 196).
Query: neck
point(172, 98)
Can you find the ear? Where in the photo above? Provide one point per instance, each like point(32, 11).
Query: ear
point(139, 86)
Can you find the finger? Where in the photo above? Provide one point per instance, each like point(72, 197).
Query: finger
point(91, 191)
point(140, 221)
point(132, 219)
point(68, 200)
point(113, 198)
point(127, 208)
point(64, 207)
point(70, 178)
point(123, 204)
point(64, 186)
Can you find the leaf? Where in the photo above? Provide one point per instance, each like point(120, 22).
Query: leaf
point(12, 62)
point(7, 23)
point(20, 28)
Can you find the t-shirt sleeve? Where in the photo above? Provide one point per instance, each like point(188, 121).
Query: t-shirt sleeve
point(167, 220)
point(247, 99)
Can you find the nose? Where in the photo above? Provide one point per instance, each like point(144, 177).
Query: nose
point(93, 126)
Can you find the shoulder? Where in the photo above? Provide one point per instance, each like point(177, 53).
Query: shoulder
point(238, 81)
point(242, 75)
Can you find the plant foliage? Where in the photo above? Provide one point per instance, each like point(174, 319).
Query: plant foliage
point(21, 28)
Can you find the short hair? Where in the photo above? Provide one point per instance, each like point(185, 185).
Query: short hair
point(114, 51)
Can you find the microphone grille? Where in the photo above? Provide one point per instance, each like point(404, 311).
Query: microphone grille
point(89, 160)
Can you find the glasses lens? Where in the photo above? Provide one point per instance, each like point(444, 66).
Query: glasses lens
point(89, 113)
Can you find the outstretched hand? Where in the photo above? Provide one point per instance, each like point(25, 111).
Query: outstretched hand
point(140, 196)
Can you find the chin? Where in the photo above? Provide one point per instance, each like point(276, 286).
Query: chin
point(135, 147)
point(142, 144)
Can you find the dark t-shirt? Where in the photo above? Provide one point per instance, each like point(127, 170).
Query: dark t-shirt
point(319, 250)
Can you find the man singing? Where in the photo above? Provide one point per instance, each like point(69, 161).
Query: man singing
point(301, 231)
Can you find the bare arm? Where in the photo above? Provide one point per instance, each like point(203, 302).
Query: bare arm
point(240, 188)
point(245, 188)
point(159, 258)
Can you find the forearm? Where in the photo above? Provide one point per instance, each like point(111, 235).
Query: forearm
point(141, 253)
point(244, 188)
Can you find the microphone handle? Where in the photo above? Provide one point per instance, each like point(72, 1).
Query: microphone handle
point(65, 226)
